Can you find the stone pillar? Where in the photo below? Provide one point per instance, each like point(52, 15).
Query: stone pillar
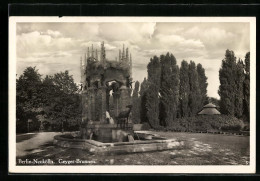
point(124, 98)
point(116, 96)
point(98, 103)
point(91, 104)
point(84, 103)
point(103, 96)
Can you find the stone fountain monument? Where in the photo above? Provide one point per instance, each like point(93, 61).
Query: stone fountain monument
point(106, 126)
point(106, 95)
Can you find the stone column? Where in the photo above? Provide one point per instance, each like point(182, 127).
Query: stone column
point(91, 104)
point(84, 102)
point(116, 96)
point(103, 97)
point(124, 98)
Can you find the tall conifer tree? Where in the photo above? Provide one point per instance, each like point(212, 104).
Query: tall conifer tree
point(136, 103)
point(184, 89)
point(239, 92)
point(247, 87)
point(152, 104)
point(202, 79)
point(227, 75)
point(169, 87)
point(143, 99)
point(195, 95)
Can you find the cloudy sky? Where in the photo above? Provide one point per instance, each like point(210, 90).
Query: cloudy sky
point(55, 47)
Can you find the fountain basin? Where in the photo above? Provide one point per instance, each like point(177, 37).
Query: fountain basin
point(155, 144)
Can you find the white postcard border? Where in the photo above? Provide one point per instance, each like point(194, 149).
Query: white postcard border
point(13, 168)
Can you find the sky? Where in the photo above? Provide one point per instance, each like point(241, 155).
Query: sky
point(58, 46)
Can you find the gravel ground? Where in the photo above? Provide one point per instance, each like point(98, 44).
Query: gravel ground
point(201, 149)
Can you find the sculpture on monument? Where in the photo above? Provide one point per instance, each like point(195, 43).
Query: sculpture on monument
point(123, 117)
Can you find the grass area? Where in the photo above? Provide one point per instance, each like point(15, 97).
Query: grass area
point(201, 149)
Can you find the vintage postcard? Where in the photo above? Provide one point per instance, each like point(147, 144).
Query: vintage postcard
point(132, 94)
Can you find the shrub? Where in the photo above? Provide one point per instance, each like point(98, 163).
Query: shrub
point(207, 122)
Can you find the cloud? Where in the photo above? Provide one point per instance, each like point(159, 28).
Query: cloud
point(33, 43)
point(55, 47)
point(179, 42)
point(131, 32)
point(53, 33)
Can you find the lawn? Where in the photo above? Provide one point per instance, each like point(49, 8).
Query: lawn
point(201, 149)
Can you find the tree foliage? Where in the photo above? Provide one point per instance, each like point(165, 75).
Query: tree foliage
point(152, 103)
point(143, 98)
point(28, 99)
point(51, 101)
point(64, 108)
point(184, 89)
point(203, 84)
point(169, 90)
point(239, 92)
point(234, 86)
point(227, 74)
point(195, 94)
point(137, 103)
point(246, 90)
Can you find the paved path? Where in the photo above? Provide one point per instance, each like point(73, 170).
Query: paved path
point(31, 143)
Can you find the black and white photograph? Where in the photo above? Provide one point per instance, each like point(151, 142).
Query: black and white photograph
point(132, 94)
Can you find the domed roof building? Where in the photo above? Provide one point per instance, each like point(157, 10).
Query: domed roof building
point(209, 109)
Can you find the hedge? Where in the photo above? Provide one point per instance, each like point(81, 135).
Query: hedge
point(204, 123)
point(207, 123)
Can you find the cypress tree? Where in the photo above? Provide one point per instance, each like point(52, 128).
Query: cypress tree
point(169, 88)
point(202, 79)
point(143, 99)
point(136, 103)
point(239, 92)
point(152, 104)
point(247, 87)
point(227, 74)
point(195, 95)
point(184, 89)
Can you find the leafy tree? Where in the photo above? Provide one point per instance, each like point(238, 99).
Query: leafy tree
point(64, 108)
point(195, 95)
point(136, 104)
point(51, 100)
point(202, 79)
point(65, 82)
point(184, 89)
point(247, 87)
point(28, 87)
point(169, 90)
point(227, 74)
point(152, 103)
point(28, 99)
